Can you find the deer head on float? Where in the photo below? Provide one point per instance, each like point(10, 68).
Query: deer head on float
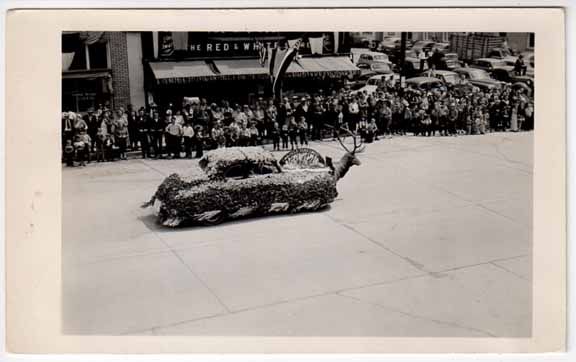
point(349, 158)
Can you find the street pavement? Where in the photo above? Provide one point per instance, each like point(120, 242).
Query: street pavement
point(429, 237)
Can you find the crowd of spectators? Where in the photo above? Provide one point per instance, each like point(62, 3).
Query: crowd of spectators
point(174, 132)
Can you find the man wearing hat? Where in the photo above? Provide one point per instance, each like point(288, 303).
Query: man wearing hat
point(92, 123)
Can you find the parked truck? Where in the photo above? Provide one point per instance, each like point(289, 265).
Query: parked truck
point(474, 46)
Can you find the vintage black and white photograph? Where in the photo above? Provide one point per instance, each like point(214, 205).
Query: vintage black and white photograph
point(337, 183)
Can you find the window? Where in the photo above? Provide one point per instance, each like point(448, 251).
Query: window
point(86, 56)
point(531, 40)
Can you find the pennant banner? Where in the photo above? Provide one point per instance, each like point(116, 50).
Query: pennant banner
point(287, 58)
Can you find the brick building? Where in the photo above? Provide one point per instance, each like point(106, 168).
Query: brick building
point(101, 68)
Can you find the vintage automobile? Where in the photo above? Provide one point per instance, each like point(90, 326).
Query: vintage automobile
point(442, 47)
point(478, 77)
point(425, 45)
point(446, 76)
point(242, 182)
point(376, 82)
point(451, 61)
point(389, 44)
point(496, 67)
point(376, 67)
point(370, 58)
point(424, 83)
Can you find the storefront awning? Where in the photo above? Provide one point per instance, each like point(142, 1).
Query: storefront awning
point(324, 67)
point(167, 73)
point(85, 74)
point(240, 69)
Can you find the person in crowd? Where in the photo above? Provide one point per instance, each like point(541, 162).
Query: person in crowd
point(188, 136)
point(293, 132)
point(519, 66)
point(121, 132)
point(156, 131)
point(80, 149)
point(93, 124)
point(422, 59)
point(284, 134)
point(275, 135)
point(133, 132)
point(253, 134)
point(109, 148)
point(100, 141)
point(173, 138)
point(353, 113)
point(199, 141)
point(260, 119)
point(143, 131)
point(67, 128)
point(302, 131)
point(218, 136)
point(69, 153)
point(78, 123)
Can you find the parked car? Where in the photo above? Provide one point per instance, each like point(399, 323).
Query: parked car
point(451, 61)
point(370, 58)
point(478, 77)
point(491, 64)
point(424, 83)
point(502, 54)
point(446, 76)
point(425, 45)
point(389, 44)
point(360, 81)
point(376, 82)
point(443, 47)
point(376, 67)
point(496, 67)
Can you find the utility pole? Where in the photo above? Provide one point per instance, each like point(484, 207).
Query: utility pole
point(402, 55)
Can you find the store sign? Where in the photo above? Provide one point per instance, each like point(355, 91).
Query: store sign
point(233, 44)
point(236, 48)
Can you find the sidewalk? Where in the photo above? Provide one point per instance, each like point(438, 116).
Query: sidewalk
point(429, 237)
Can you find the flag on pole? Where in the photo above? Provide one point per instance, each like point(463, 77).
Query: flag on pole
point(279, 59)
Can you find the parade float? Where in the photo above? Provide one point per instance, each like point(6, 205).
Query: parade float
point(242, 182)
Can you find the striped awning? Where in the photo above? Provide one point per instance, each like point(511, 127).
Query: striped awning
point(324, 67)
point(240, 69)
point(167, 73)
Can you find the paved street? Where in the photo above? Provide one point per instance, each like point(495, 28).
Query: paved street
point(429, 237)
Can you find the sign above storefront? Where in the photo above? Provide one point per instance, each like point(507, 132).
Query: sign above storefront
point(231, 44)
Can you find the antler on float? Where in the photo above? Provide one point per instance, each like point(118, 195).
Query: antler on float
point(357, 147)
point(337, 134)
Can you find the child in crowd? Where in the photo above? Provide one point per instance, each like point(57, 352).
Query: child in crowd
point(80, 149)
point(293, 133)
point(302, 129)
point(284, 136)
point(69, 153)
point(109, 148)
point(275, 134)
